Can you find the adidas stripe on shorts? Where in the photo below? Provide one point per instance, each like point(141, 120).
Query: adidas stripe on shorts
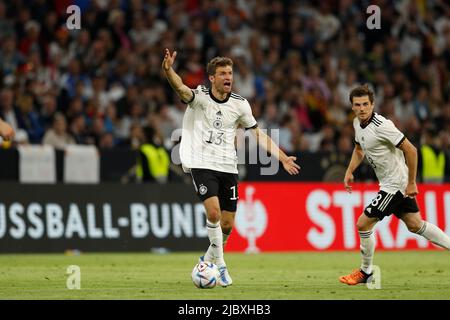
point(385, 204)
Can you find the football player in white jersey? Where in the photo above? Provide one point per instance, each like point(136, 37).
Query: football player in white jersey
point(394, 160)
point(207, 148)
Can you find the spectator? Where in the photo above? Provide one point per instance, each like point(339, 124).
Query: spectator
point(10, 59)
point(57, 135)
point(404, 107)
point(31, 41)
point(106, 141)
point(78, 130)
point(48, 110)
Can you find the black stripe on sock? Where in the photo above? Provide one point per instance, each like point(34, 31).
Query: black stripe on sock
point(212, 225)
point(422, 228)
point(365, 234)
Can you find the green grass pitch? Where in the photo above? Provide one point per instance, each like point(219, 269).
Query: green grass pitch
point(404, 275)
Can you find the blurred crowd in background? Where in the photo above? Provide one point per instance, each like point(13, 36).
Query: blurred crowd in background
point(295, 62)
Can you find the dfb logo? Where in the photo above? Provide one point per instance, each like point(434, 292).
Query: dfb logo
point(74, 278)
point(251, 219)
point(74, 20)
point(374, 21)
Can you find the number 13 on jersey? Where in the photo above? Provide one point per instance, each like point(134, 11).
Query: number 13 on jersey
point(215, 137)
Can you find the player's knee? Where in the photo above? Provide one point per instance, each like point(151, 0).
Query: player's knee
point(415, 226)
point(214, 215)
point(362, 226)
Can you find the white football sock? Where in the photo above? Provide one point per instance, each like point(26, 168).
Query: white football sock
point(432, 233)
point(367, 246)
point(209, 253)
point(216, 240)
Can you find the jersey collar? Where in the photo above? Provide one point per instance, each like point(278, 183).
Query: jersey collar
point(368, 122)
point(217, 100)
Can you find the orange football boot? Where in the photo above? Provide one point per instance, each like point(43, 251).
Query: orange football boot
point(356, 277)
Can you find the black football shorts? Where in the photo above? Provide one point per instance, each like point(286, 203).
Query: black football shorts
point(210, 183)
point(385, 204)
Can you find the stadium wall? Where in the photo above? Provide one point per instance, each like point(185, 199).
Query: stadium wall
point(115, 164)
point(161, 218)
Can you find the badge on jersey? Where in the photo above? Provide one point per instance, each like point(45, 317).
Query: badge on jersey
point(218, 122)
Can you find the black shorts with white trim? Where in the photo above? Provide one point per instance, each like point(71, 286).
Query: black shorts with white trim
point(210, 183)
point(385, 204)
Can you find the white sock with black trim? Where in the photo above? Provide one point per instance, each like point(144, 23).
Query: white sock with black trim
point(216, 242)
point(434, 234)
point(367, 246)
point(209, 253)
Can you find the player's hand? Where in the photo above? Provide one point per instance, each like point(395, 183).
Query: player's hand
point(411, 190)
point(168, 60)
point(347, 180)
point(6, 131)
point(290, 166)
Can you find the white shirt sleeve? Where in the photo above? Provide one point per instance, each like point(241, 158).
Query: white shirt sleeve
point(387, 131)
point(199, 98)
point(246, 119)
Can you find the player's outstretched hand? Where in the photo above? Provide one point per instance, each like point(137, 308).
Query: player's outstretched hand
point(6, 131)
point(411, 190)
point(168, 60)
point(290, 166)
point(347, 180)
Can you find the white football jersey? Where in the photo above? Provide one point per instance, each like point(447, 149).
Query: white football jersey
point(209, 131)
point(379, 141)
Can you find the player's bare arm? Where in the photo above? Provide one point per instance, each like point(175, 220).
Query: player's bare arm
point(267, 143)
point(410, 153)
point(357, 158)
point(183, 91)
point(6, 131)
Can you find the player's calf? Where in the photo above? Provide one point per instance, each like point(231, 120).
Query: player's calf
point(426, 229)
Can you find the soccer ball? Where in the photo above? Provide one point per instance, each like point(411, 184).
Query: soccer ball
point(205, 275)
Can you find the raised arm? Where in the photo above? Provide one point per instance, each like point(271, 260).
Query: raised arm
point(410, 153)
point(267, 143)
point(183, 91)
point(357, 158)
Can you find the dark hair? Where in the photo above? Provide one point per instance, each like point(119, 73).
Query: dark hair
point(218, 62)
point(361, 91)
point(149, 133)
